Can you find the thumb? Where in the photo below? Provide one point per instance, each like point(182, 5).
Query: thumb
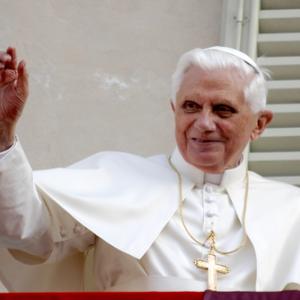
point(22, 81)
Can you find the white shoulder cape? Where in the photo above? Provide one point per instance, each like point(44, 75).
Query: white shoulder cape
point(137, 197)
point(122, 198)
point(127, 200)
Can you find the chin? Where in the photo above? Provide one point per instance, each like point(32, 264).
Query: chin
point(206, 163)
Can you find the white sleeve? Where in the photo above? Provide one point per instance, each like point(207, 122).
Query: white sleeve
point(30, 226)
point(11, 148)
point(24, 220)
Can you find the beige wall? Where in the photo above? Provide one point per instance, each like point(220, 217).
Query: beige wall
point(100, 71)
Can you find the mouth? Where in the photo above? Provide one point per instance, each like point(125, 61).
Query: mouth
point(205, 141)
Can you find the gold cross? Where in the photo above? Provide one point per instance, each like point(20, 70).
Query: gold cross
point(211, 265)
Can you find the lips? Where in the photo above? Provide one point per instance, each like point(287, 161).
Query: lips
point(205, 140)
point(205, 145)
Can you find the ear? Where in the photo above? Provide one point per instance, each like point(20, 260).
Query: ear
point(264, 118)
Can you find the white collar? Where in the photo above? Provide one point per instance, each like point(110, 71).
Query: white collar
point(199, 178)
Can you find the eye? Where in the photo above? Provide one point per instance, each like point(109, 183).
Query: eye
point(224, 111)
point(190, 106)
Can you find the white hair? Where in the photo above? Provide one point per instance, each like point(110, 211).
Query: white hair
point(255, 91)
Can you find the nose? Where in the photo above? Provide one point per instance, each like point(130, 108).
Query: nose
point(205, 121)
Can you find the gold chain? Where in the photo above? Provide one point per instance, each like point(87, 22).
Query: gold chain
point(212, 234)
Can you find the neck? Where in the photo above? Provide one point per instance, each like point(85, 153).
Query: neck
point(200, 177)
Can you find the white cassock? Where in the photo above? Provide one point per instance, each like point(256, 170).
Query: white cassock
point(127, 207)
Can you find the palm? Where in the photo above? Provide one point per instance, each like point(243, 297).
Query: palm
point(10, 104)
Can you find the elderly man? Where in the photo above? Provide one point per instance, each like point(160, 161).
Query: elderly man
point(195, 220)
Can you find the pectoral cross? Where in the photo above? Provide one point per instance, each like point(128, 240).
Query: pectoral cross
point(211, 265)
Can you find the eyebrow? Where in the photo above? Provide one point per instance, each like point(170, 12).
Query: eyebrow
point(197, 96)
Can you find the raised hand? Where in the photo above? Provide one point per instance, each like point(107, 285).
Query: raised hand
point(13, 95)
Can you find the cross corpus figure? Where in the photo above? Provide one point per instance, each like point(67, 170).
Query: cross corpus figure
point(211, 265)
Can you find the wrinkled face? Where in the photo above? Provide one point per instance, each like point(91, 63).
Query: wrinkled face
point(213, 121)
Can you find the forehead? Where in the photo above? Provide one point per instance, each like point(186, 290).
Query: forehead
point(227, 82)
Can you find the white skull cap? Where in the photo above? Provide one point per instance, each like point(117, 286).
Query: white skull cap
point(238, 54)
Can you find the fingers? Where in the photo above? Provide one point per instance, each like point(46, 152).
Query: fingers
point(8, 66)
point(12, 63)
point(13, 73)
point(4, 59)
point(22, 81)
point(8, 59)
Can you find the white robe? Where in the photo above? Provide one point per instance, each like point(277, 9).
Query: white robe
point(131, 222)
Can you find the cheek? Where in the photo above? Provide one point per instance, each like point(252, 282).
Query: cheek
point(226, 128)
point(182, 126)
point(236, 127)
point(232, 134)
point(238, 137)
point(183, 123)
